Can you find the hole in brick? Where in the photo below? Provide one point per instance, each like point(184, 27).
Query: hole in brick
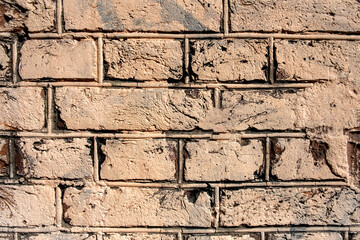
point(101, 154)
point(192, 195)
point(318, 151)
point(59, 123)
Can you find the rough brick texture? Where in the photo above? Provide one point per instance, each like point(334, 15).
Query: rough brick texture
point(58, 236)
point(22, 109)
point(139, 236)
point(4, 157)
point(223, 160)
point(148, 159)
point(139, 207)
point(294, 16)
point(305, 236)
point(229, 60)
point(5, 61)
point(138, 59)
point(140, 15)
point(58, 59)
point(37, 209)
point(54, 158)
point(224, 237)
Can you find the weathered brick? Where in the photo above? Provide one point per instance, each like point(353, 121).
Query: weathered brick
point(127, 207)
point(305, 236)
point(138, 236)
point(143, 15)
point(229, 60)
point(146, 159)
point(225, 237)
point(289, 206)
point(58, 59)
point(355, 236)
point(26, 206)
point(54, 158)
point(5, 62)
point(323, 60)
point(223, 160)
point(353, 155)
point(4, 159)
point(132, 109)
point(22, 109)
point(59, 236)
point(5, 236)
point(144, 59)
point(300, 159)
point(34, 16)
point(295, 16)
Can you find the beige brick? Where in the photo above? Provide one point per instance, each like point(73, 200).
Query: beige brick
point(229, 60)
point(143, 15)
point(22, 109)
point(5, 62)
point(58, 59)
point(300, 159)
point(138, 236)
point(132, 109)
point(26, 206)
point(323, 60)
point(5, 236)
point(34, 16)
point(126, 207)
point(144, 59)
point(305, 236)
point(224, 237)
point(295, 16)
point(289, 206)
point(59, 236)
point(146, 159)
point(223, 160)
point(54, 158)
point(4, 159)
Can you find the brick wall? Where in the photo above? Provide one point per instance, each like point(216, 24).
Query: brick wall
point(179, 119)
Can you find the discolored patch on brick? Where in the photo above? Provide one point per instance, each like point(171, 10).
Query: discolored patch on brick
point(5, 61)
point(138, 236)
point(354, 158)
point(4, 157)
point(305, 236)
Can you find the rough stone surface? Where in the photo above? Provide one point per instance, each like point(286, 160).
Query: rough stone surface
point(300, 159)
point(223, 160)
point(20, 206)
point(138, 236)
point(143, 15)
point(353, 155)
point(128, 207)
point(295, 16)
point(54, 158)
point(147, 159)
point(35, 16)
point(323, 60)
point(355, 236)
point(305, 236)
point(289, 206)
point(132, 109)
point(4, 160)
point(59, 236)
point(58, 59)
point(229, 60)
point(22, 109)
point(5, 62)
point(225, 237)
point(144, 59)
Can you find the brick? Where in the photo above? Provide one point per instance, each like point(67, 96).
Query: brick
point(20, 206)
point(305, 236)
point(4, 159)
point(33, 16)
point(146, 159)
point(126, 207)
point(22, 108)
point(5, 236)
point(300, 159)
point(289, 206)
point(323, 60)
point(295, 16)
point(144, 59)
point(229, 60)
point(223, 160)
point(139, 236)
point(67, 158)
point(132, 109)
point(58, 59)
point(5, 61)
point(143, 15)
point(225, 237)
point(59, 236)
